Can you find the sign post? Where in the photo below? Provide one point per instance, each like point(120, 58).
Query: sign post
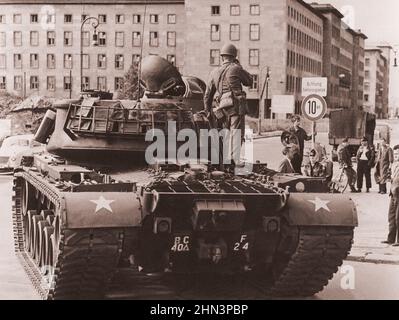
point(314, 107)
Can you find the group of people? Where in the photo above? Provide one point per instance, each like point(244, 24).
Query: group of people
point(225, 103)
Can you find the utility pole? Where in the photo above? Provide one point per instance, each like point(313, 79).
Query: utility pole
point(261, 102)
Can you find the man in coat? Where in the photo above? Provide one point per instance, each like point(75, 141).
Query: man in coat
point(393, 213)
point(286, 164)
point(345, 161)
point(365, 158)
point(383, 164)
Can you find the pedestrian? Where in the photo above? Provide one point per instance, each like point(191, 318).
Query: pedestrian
point(393, 212)
point(286, 164)
point(225, 99)
point(365, 158)
point(301, 137)
point(345, 161)
point(383, 164)
point(319, 166)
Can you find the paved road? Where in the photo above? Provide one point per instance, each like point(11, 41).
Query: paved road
point(371, 281)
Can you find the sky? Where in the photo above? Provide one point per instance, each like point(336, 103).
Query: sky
point(379, 20)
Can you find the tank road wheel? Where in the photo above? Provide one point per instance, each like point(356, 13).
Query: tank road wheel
point(35, 235)
point(47, 255)
point(29, 228)
point(28, 198)
point(41, 245)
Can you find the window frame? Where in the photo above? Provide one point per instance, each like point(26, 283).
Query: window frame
point(67, 39)
point(251, 32)
point(68, 15)
point(116, 39)
point(20, 82)
point(104, 56)
point(122, 63)
point(32, 15)
point(31, 38)
point(235, 6)
point(65, 61)
point(34, 64)
point(231, 32)
point(153, 39)
point(218, 32)
point(31, 83)
point(48, 60)
point(252, 6)
point(217, 52)
point(48, 82)
point(118, 20)
point(171, 42)
point(169, 18)
point(249, 57)
point(217, 8)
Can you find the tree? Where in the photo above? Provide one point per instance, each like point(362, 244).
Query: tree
point(130, 87)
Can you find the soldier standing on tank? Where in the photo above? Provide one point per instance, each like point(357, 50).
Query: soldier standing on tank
point(224, 99)
point(393, 213)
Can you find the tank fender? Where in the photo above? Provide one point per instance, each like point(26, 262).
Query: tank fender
point(320, 209)
point(100, 210)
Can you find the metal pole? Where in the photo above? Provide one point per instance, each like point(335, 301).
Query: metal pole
point(262, 105)
point(70, 84)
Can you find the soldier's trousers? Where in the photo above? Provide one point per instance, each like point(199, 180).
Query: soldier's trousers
point(393, 219)
point(363, 169)
point(351, 174)
point(236, 125)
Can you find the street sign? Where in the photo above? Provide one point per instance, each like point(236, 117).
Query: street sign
point(314, 85)
point(314, 107)
point(283, 104)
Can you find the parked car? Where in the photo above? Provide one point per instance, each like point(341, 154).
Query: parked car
point(14, 148)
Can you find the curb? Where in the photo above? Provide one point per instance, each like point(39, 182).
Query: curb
point(374, 258)
point(268, 135)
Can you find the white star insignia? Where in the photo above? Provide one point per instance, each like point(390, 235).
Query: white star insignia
point(103, 203)
point(320, 204)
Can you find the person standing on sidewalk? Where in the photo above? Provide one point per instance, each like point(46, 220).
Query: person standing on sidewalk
point(393, 213)
point(383, 163)
point(365, 161)
point(345, 162)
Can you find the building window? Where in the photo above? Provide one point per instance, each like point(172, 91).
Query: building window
point(136, 58)
point(34, 38)
point(102, 38)
point(171, 18)
point(17, 38)
point(171, 58)
point(51, 83)
point(17, 61)
point(366, 86)
point(154, 18)
point(18, 83)
point(253, 57)
point(2, 83)
point(17, 18)
point(254, 32)
point(85, 61)
point(51, 38)
point(34, 18)
point(234, 32)
point(120, 18)
point(68, 61)
point(83, 17)
point(102, 83)
point(86, 38)
point(2, 61)
point(366, 98)
point(102, 18)
point(234, 10)
point(85, 83)
point(255, 82)
point(119, 61)
point(51, 61)
point(2, 39)
point(254, 9)
point(171, 39)
point(2, 18)
point(215, 10)
point(154, 39)
point(68, 38)
point(136, 18)
point(367, 74)
point(214, 57)
point(367, 62)
point(50, 18)
point(119, 39)
point(67, 18)
point(34, 60)
point(102, 61)
point(136, 39)
point(118, 83)
point(67, 83)
point(215, 32)
point(34, 82)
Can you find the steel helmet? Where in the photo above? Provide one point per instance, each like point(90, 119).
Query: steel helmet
point(229, 50)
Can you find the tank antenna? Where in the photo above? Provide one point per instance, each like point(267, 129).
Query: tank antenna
point(141, 51)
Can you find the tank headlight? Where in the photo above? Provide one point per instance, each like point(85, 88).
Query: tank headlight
point(163, 225)
point(300, 187)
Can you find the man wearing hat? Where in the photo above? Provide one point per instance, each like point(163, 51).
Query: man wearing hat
point(225, 92)
point(285, 165)
point(365, 161)
point(345, 161)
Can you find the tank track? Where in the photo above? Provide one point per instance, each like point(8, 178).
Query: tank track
point(319, 253)
point(86, 259)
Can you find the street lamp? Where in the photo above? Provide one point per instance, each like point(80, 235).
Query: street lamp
point(262, 105)
point(94, 24)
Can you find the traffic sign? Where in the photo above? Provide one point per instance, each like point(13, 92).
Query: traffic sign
point(314, 85)
point(314, 107)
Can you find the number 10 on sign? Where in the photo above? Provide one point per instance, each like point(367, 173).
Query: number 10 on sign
point(314, 107)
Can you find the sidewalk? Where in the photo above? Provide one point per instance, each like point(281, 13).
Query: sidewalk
point(372, 209)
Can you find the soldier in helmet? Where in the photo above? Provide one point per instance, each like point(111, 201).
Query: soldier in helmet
point(224, 92)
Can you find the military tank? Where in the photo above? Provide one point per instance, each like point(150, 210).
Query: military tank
point(90, 204)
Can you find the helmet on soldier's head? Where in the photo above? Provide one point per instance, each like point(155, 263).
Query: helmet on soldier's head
point(229, 50)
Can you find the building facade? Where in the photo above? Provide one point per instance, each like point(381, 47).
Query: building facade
point(376, 84)
point(40, 43)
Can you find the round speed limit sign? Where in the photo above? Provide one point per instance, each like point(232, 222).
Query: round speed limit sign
point(314, 107)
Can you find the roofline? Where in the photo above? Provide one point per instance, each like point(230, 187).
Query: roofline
point(327, 8)
point(88, 2)
point(357, 33)
point(310, 8)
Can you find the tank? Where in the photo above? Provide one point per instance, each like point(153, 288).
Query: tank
point(90, 206)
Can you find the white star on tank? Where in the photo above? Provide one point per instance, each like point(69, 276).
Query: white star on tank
point(320, 204)
point(103, 203)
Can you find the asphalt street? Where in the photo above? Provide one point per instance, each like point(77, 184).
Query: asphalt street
point(354, 281)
